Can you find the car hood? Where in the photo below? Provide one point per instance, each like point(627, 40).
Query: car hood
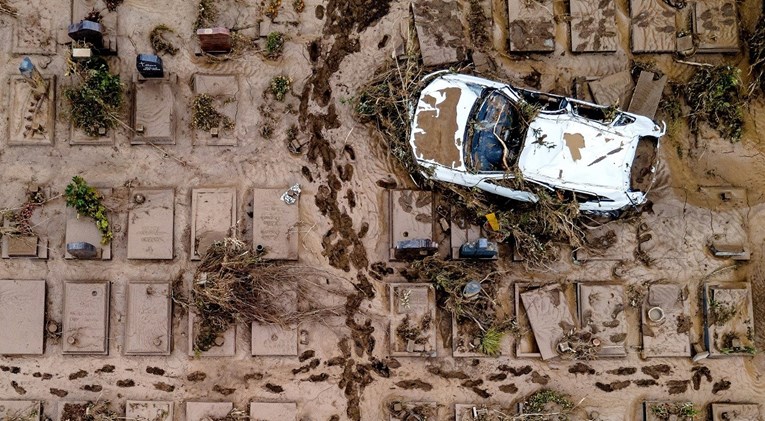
point(569, 151)
point(440, 119)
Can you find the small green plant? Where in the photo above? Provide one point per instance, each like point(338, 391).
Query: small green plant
point(87, 202)
point(94, 103)
point(715, 96)
point(687, 410)
point(280, 86)
point(205, 117)
point(158, 41)
point(491, 342)
point(207, 12)
point(536, 403)
point(274, 45)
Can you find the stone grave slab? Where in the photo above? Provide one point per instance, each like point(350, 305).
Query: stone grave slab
point(549, 315)
point(405, 411)
point(151, 224)
point(23, 104)
point(615, 89)
point(213, 216)
point(83, 229)
point(526, 345)
point(148, 321)
point(728, 319)
point(273, 411)
point(224, 89)
point(149, 410)
point(22, 317)
point(22, 246)
point(275, 224)
point(86, 318)
point(154, 115)
point(715, 24)
point(647, 96)
point(601, 308)
point(34, 29)
point(667, 336)
point(273, 340)
point(413, 305)
point(735, 412)
point(532, 26)
point(20, 410)
point(439, 31)
point(593, 26)
point(411, 216)
point(652, 27)
point(199, 411)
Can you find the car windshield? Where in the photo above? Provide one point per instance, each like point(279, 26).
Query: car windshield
point(495, 141)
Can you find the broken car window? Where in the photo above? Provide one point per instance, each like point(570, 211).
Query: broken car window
point(496, 139)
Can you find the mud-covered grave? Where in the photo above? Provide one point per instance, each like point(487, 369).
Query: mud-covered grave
point(708, 199)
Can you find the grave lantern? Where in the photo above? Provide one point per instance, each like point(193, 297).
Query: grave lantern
point(88, 32)
point(149, 66)
point(33, 76)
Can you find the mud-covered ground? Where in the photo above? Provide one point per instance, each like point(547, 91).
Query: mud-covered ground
point(333, 47)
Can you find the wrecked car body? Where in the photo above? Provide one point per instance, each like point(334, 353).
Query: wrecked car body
point(473, 132)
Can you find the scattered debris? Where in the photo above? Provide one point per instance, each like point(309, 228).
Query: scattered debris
point(158, 41)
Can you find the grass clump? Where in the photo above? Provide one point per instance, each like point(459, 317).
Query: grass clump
point(539, 403)
point(158, 41)
point(279, 87)
point(205, 116)
point(87, 201)
point(207, 12)
point(94, 103)
point(715, 96)
point(272, 8)
point(665, 410)
point(274, 45)
point(491, 342)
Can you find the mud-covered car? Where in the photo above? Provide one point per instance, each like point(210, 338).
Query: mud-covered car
point(472, 132)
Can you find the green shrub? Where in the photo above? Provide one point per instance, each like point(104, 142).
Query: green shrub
point(95, 102)
point(274, 45)
point(87, 202)
point(715, 96)
point(491, 342)
point(280, 86)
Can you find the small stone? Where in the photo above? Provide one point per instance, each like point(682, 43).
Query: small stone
point(410, 346)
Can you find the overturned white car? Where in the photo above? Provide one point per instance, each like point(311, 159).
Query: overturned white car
point(469, 131)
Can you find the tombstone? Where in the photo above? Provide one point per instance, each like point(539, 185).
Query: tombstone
point(214, 40)
point(88, 32)
point(82, 250)
point(149, 65)
point(86, 318)
point(22, 314)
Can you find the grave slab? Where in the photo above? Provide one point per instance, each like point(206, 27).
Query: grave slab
point(151, 224)
point(613, 90)
point(411, 217)
point(413, 305)
point(652, 27)
point(715, 24)
point(532, 26)
point(273, 340)
point(22, 246)
point(647, 96)
point(526, 345)
point(228, 338)
point(601, 312)
point(593, 26)
point(154, 115)
point(273, 411)
point(20, 410)
point(33, 29)
point(23, 104)
point(275, 224)
point(439, 31)
point(199, 411)
point(668, 336)
point(735, 412)
point(22, 316)
point(423, 410)
point(728, 319)
point(213, 216)
point(550, 317)
point(149, 410)
point(224, 89)
point(86, 318)
point(83, 229)
point(148, 321)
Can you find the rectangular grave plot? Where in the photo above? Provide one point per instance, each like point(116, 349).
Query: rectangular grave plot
point(653, 28)
point(154, 115)
point(275, 224)
point(148, 324)
point(549, 315)
point(86, 318)
point(68, 408)
point(439, 31)
point(666, 330)
point(464, 412)
point(224, 91)
point(273, 411)
point(81, 229)
point(411, 217)
point(413, 316)
point(735, 412)
point(532, 27)
point(149, 410)
point(199, 411)
point(151, 224)
point(613, 90)
point(33, 30)
point(461, 231)
point(405, 411)
point(24, 104)
point(213, 217)
point(224, 346)
point(715, 23)
point(728, 319)
point(525, 346)
point(22, 246)
point(20, 410)
point(78, 137)
point(593, 26)
point(22, 315)
point(654, 410)
point(601, 312)
point(272, 340)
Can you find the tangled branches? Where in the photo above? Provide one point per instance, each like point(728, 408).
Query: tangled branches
point(158, 42)
point(94, 104)
point(715, 96)
point(235, 285)
point(90, 411)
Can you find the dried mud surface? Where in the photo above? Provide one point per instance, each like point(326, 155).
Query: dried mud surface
point(332, 49)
